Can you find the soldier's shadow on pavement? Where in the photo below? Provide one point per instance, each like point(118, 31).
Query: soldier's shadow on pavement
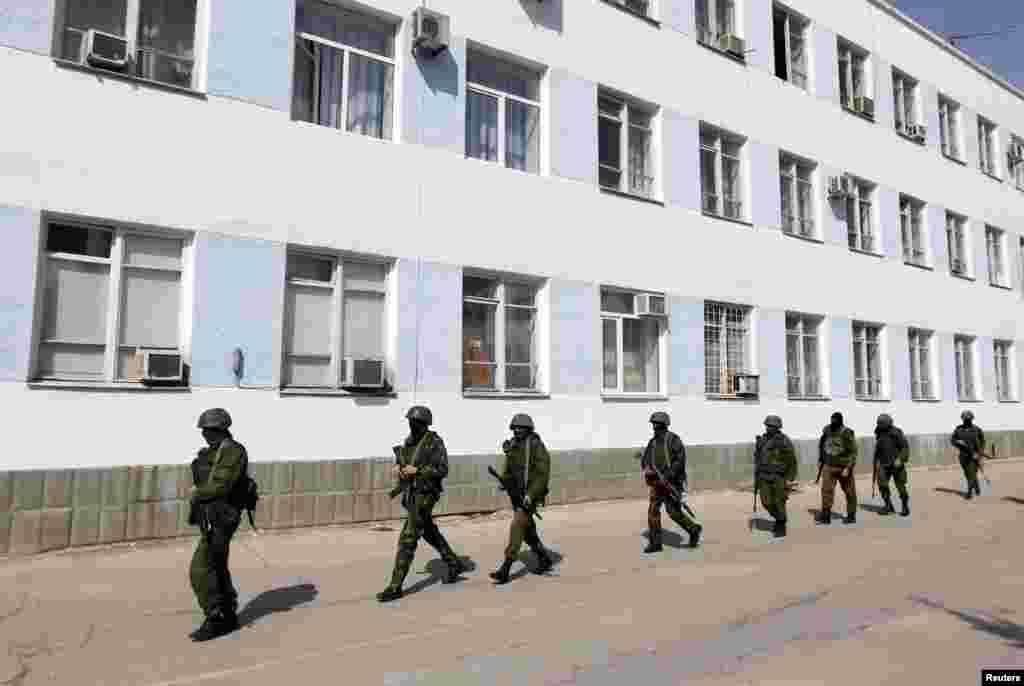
point(761, 524)
point(871, 507)
point(436, 569)
point(940, 489)
point(1011, 499)
point(1012, 632)
point(276, 600)
point(671, 539)
point(530, 562)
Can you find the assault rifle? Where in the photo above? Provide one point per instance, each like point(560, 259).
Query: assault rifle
point(821, 465)
point(515, 494)
point(978, 453)
point(674, 492)
point(403, 484)
point(757, 464)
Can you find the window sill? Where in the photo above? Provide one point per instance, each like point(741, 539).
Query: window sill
point(653, 22)
point(1009, 401)
point(361, 136)
point(507, 395)
point(809, 239)
point(926, 400)
point(631, 196)
point(810, 398)
point(722, 217)
point(970, 400)
point(1000, 286)
point(859, 115)
point(868, 399)
point(912, 140)
point(965, 277)
point(634, 396)
point(334, 393)
point(926, 267)
point(728, 55)
point(129, 78)
point(128, 386)
point(716, 396)
point(955, 159)
point(992, 176)
point(868, 253)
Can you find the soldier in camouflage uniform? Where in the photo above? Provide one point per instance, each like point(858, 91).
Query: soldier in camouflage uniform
point(891, 455)
point(528, 464)
point(422, 463)
point(775, 470)
point(837, 454)
point(214, 507)
point(665, 453)
point(969, 439)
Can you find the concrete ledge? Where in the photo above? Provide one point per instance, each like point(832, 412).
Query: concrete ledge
point(54, 509)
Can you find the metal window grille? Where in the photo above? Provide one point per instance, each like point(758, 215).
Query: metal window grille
point(725, 346)
point(920, 365)
point(802, 356)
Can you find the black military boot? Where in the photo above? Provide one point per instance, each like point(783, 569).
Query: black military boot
point(390, 593)
point(970, 492)
point(544, 561)
point(455, 569)
point(779, 530)
point(824, 517)
point(501, 575)
point(654, 542)
point(695, 536)
point(888, 506)
point(850, 518)
point(905, 512)
point(217, 624)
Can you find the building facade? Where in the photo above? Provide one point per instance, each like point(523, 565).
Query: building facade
point(585, 211)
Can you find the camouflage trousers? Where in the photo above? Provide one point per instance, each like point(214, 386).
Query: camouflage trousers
point(970, 467)
point(522, 530)
point(897, 474)
point(774, 496)
point(676, 513)
point(208, 573)
point(829, 477)
point(419, 523)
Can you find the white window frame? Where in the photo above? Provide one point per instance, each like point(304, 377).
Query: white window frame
point(1020, 260)
point(618, 318)
point(873, 385)
point(132, 9)
point(1017, 171)
point(914, 231)
point(921, 344)
point(806, 327)
point(794, 23)
point(851, 60)
point(115, 293)
point(965, 370)
point(502, 97)
point(790, 168)
point(716, 147)
point(995, 247)
point(950, 130)
point(858, 239)
point(1005, 359)
point(337, 323)
point(988, 154)
point(720, 326)
point(501, 305)
point(906, 103)
point(710, 33)
point(956, 226)
point(627, 174)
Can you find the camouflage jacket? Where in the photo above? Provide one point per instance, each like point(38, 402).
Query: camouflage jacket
point(668, 455)
point(528, 458)
point(837, 448)
point(777, 458)
point(216, 471)
point(972, 435)
point(430, 458)
point(891, 445)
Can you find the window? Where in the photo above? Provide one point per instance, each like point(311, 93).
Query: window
point(161, 35)
point(721, 173)
point(921, 387)
point(915, 244)
point(986, 146)
point(860, 218)
point(715, 18)
point(344, 70)
point(726, 347)
point(963, 350)
point(625, 146)
point(499, 334)
point(1005, 368)
point(640, 7)
point(1020, 261)
point(997, 272)
point(803, 356)
point(949, 128)
point(502, 113)
point(904, 91)
point(108, 291)
point(631, 344)
point(1015, 161)
point(334, 322)
point(956, 244)
point(867, 360)
point(797, 196)
point(790, 47)
point(853, 78)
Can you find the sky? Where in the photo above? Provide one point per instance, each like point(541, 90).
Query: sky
point(1003, 54)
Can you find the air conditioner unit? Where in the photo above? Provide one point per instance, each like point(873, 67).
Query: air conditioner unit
point(747, 385)
point(149, 364)
point(864, 105)
point(105, 50)
point(730, 43)
point(651, 305)
point(364, 373)
point(431, 31)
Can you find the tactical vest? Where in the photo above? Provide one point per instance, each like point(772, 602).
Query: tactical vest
point(517, 459)
point(887, 446)
point(201, 467)
point(665, 463)
point(770, 465)
point(970, 436)
point(409, 455)
point(834, 447)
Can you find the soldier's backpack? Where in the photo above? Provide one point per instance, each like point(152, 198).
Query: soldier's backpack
point(249, 496)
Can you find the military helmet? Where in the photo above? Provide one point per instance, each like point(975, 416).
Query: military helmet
point(216, 418)
point(420, 413)
point(773, 420)
point(884, 421)
point(966, 414)
point(660, 418)
point(522, 420)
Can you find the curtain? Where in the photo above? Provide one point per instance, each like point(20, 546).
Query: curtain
point(610, 342)
point(369, 97)
point(481, 126)
point(522, 147)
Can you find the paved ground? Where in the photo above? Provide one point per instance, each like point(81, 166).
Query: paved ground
point(930, 599)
